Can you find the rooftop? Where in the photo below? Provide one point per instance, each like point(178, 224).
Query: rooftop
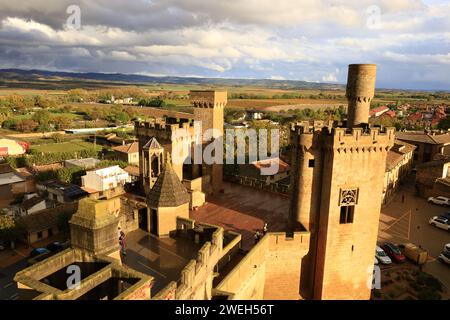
point(30, 203)
point(128, 148)
point(423, 137)
point(168, 190)
point(161, 258)
point(396, 153)
point(83, 163)
point(245, 210)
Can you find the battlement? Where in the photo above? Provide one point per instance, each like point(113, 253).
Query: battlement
point(195, 274)
point(357, 139)
point(208, 98)
point(163, 126)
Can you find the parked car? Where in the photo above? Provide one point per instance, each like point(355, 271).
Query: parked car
point(446, 215)
point(38, 251)
point(444, 257)
point(382, 256)
point(440, 222)
point(414, 253)
point(447, 247)
point(56, 246)
point(393, 252)
point(376, 261)
point(440, 200)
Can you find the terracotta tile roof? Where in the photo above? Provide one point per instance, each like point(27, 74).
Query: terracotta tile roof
point(424, 137)
point(396, 154)
point(45, 219)
point(168, 190)
point(282, 166)
point(132, 170)
point(374, 111)
point(128, 148)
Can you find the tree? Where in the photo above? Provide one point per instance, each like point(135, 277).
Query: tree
point(62, 122)
point(9, 124)
point(122, 118)
point(9, 230)
point(444, 124)
point(26, 125)
point(42, 117)
point(58, 137)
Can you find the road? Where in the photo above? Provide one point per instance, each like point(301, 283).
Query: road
point(8, 288)
point(405, 219)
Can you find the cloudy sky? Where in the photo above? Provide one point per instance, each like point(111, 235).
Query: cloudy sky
point(311, 40)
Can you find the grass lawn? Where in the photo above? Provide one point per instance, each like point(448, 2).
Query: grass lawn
point(71, 146)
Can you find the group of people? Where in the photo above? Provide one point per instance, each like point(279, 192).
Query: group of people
point(258, 235)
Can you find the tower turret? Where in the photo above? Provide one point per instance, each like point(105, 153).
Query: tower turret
point(208, 108)
point(360, 92)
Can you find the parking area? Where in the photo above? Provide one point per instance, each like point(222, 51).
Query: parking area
point(406, 219)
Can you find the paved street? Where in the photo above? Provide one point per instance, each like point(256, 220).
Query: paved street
point(405, 219)
point(8, 288)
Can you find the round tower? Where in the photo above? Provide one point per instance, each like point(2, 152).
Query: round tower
point(360, 92)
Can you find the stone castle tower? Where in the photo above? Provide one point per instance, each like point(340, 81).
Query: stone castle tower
point(208, 108)
point(337, 194)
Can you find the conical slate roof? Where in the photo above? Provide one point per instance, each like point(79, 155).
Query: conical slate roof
point(168, 190)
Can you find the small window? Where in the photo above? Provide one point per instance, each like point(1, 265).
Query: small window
point(311, 163)
point(347, 213)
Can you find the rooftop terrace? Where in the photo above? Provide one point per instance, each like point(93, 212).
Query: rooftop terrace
point(245, 210)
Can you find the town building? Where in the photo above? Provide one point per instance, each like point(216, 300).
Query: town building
point(44, 224)
point(376, 112)
point(86, 163)
point(13, 184)
point(433, 177)
point(60, 192)
point(399, 164)
point(32, 203)
point(428, 145)
point(10, 147)
point(105, 183)
point(128, 153)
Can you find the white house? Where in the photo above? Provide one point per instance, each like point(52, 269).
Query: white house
point(105, 179)
point(32, 203)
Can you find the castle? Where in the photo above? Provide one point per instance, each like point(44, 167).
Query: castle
point(323, 248)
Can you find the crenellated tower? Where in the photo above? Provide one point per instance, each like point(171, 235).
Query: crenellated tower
point(208, 109)
point(337, 194)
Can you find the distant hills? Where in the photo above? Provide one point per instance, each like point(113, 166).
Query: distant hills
point(50, 79)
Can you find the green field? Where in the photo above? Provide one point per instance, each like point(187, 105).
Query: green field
point(72, 146)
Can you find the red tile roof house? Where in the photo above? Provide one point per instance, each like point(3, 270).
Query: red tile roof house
point(128, 153)
point(376, 112)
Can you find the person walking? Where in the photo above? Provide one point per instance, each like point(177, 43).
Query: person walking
point(265, 228)
point(122, 243)
point(257, 237)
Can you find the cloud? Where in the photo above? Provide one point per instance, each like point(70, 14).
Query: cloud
point(306, 40)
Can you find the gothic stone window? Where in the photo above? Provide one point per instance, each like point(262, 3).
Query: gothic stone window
point(347, 201)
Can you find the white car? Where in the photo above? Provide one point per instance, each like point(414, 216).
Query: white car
point(444, 257)
point(382, 256)
point(440, 222)
point(376, 261)
point(447, 247)
point(443, 201)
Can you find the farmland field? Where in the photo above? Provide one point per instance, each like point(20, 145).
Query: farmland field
point(72, 146)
